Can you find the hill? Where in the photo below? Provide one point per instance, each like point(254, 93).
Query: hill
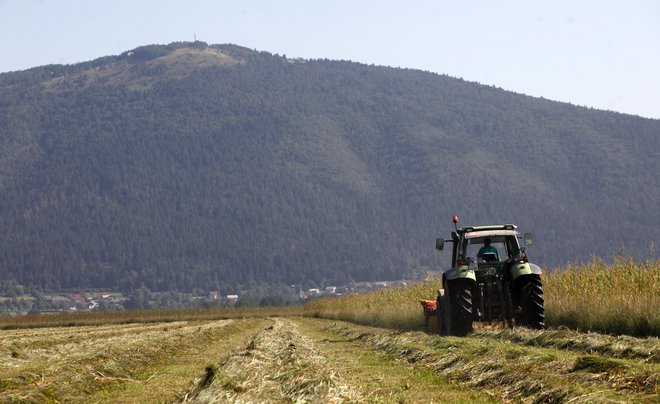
point(217, 167)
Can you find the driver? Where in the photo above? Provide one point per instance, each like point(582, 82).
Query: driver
point(487, 248)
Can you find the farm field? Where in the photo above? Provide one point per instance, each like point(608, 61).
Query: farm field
point(601, 346)
point(290, 359)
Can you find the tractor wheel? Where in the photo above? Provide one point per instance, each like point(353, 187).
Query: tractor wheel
point(508, 309)
point(442, 313)
point(460, 304)
point(532, 313)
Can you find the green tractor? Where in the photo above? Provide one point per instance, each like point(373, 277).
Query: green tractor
point(490, 280)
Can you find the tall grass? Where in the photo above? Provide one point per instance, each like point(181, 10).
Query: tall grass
point(620, 298)
point(391, 307)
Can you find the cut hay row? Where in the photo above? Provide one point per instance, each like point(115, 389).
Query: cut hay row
point(515, 372)
point(53, 336)
point(247, 360)
point(295, 360)
point(95, 318)
point(66, 364)
point(301, 359)
point(612, 346)
point(278, 365)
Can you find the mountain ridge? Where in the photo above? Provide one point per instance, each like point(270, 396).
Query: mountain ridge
point(178, 173)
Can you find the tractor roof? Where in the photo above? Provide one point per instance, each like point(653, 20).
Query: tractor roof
point(491, 227)
point(490, 233)
point(493, 230)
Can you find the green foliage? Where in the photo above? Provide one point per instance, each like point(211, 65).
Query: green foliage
point(268, 296)
point(244, 169)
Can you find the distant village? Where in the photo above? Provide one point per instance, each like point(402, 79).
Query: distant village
point(102, 301)
point(361, 287)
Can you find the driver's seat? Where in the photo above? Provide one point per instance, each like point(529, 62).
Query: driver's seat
point(489, 257)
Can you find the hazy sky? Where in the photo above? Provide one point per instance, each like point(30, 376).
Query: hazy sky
point(599, 53)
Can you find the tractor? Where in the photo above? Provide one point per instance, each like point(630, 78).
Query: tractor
point(490, 280)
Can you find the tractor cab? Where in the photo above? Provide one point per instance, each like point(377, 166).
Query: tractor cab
point(488, 247)
point(478, 246)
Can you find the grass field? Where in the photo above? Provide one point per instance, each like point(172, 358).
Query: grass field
point(113, 363)
point(285, 355)
point(297, 359)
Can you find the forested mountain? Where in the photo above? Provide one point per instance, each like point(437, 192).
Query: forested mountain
point(194, 166)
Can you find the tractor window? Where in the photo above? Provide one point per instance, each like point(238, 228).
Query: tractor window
point(512, 246)
point(497, 251)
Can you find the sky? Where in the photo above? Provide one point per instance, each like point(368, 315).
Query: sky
point(603, 54)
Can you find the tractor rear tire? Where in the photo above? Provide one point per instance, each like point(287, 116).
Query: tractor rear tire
point(441, 310)
point(460, 303)
point(532, 314)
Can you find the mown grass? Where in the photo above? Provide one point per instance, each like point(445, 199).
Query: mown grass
point(153, 362)
point(541, 373)
point(144, 316)
point(395, 380)
point(619, 298)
